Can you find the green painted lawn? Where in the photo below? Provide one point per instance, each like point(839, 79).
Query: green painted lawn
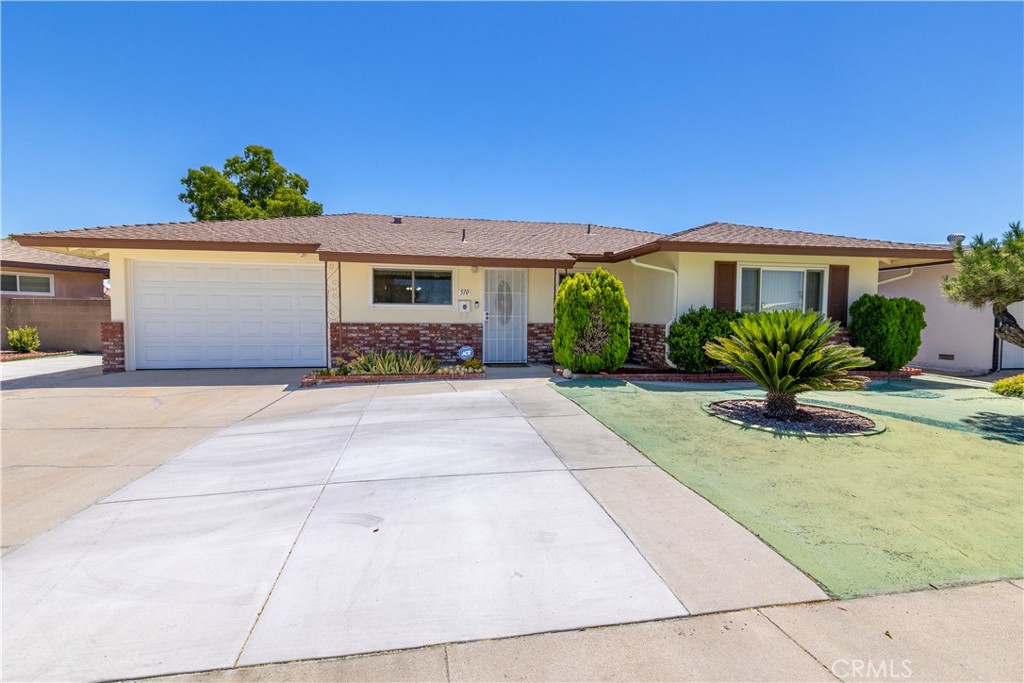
point(936, 499)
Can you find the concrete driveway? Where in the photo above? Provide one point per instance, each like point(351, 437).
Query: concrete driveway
point(325, 522)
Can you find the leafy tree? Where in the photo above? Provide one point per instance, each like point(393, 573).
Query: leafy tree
point(888, 329)
point(788, 352)
point(591, 322)
point(253, 185)
point(991, 272)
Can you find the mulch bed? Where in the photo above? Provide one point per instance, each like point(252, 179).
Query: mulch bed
point(809, 419)
point(11, 355)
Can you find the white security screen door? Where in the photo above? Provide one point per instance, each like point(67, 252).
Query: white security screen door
point(227, 315)
point(504, 315)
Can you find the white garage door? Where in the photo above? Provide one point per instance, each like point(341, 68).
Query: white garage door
point(225, 315)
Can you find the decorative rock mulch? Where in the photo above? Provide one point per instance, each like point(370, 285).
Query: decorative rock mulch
point(810, 421)
point(11, 355)
point(317, 380)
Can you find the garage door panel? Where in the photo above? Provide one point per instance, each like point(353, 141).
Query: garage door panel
point(311, 354)
point(187, 274)
point(281, 302)
point(227, 315)
point(218, 302)
point(187, 328)
point(310, 303)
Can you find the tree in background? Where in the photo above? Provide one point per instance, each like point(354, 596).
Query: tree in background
point(991, 273)
point(253, 185)
point(591, 322)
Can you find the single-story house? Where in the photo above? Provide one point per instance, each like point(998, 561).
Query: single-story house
point(958, 338)
point(61, 294)
point(300, 291)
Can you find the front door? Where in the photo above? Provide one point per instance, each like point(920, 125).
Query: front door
point(504, 315)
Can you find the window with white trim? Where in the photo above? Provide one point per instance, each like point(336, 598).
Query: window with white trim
point(23, 283)
point(780, 289)
point(424, 287)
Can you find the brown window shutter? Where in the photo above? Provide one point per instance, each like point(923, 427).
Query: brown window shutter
point(838, 292)
point(725, 285)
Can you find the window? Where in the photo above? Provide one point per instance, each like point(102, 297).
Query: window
point(26, 284)
point(769, 289)
point(430, 287)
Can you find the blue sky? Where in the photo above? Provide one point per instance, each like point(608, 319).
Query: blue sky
point(897, 121)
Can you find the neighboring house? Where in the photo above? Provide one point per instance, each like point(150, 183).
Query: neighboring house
point(299, 291)
point(958, 338)
point(60, 294)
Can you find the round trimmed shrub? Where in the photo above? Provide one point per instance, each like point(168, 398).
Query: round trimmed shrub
point(591, 323)
point(24, 339)
point(889, 330)
point(691, 331)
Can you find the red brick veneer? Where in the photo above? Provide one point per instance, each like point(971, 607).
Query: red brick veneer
point(539, 337)
point(647, 345)
point(112, 342)
point(435, 340)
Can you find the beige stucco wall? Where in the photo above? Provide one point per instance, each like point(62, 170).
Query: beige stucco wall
point(67, 284)
point(697, 273)
point(357, 301)
point(959, 330)
point(64, 324)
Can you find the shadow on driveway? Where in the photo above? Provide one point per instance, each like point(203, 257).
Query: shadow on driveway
point(93, 377)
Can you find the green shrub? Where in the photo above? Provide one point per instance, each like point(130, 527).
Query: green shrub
point(474, 364)
point(24, 339)
point(889, 330)
point(691, 331)
point(1010, 386)
point(788, 352)
point(392, 363)
point(591, 323)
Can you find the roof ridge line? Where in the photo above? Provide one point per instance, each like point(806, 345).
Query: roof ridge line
point(502, 220)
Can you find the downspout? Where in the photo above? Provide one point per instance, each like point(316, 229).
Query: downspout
point(675, 297)
point(910, 271)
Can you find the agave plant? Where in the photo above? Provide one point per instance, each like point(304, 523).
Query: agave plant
point(392, 363)
point(787, 352)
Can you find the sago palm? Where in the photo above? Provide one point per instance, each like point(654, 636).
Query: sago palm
point(788, 352)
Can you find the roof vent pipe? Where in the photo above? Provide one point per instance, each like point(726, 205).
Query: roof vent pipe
point(463, 234)
point(588, 228)
point(954, 238)
point(397, 220)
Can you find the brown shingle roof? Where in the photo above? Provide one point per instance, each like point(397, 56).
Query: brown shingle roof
point(360, 236)
point(367, 235)
point(14, 255)
point(733, 234)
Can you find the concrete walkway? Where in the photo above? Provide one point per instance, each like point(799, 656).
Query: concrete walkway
point(22, 373)
point(957, 634)
point(346, 520)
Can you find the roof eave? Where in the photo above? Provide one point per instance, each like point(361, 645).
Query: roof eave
point(431, 260)
point(805, 250)
point(163, 245)
point(54, 266)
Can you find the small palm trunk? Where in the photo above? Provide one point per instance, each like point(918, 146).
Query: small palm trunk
point(780, 406)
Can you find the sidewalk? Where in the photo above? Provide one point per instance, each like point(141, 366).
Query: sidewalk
point(971, 633)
